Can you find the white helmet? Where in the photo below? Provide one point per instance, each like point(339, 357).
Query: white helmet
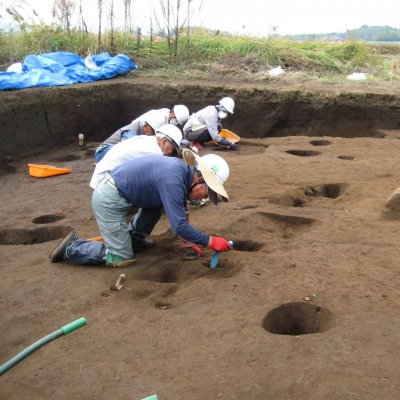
point(172, 132)
point(154, 119)
point(181, 113)
point(228, 103)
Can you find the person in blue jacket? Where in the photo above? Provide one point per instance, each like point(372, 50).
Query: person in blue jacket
point(151, 183)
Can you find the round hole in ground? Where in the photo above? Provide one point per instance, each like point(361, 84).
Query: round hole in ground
point(320, 142)
point(247, 245)
point(303, 153)
point(332, 190)
point(159, 273)
point(162, 305)
point(346, 157)
point(298, 318)
point(329, 190)
point(49, 218)
point(33, 236)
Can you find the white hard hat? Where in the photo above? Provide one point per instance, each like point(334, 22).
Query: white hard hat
point(215, 172)
point(228, 103)
point(172, 132)
point(181, 113)
point(154, 119)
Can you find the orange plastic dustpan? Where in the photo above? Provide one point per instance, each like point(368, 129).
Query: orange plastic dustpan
point(43, 171)
point(229, 135)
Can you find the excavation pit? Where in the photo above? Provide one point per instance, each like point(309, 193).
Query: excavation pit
point(247, 245)
point(304, 153)
point(329, 190)
point(320, 142)
point(33, 236)
point(298, 318)
point(48, 219)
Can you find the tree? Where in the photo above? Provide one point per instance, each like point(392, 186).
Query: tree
point(62, 11)
point(127, 15)
point(81, 19)
point(111, 17)
point(100, 9)
point(171, 22)
point(21, 13)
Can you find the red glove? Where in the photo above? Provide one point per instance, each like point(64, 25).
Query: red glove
point(197, 248)
point(218, 244)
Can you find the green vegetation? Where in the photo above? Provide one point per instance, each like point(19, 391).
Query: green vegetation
point(207, 51)
point(364, 33)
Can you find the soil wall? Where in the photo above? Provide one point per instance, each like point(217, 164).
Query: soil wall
point(35, 120)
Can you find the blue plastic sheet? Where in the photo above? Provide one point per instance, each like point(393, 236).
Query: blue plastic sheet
point(62, 68)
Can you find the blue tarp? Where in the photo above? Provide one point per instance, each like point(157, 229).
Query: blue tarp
point(61, 68)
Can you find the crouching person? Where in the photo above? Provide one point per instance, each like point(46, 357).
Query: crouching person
point(151, 183)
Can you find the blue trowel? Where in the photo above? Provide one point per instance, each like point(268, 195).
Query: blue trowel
point(215, 257)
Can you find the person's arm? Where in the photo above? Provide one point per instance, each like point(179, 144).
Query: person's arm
point(212, 123)
point(173, 199)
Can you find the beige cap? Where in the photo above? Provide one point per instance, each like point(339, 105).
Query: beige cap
point(213, 182)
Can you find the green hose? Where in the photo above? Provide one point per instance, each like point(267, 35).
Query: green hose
point(72, 326)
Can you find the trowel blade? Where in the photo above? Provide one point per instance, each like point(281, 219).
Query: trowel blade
point(214, 259)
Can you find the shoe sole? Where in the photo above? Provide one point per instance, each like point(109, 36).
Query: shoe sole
point(54, 256)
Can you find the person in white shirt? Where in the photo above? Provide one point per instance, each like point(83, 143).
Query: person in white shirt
point(146, 124)
point(165, 142)
point(177, 115)
point(205, 125)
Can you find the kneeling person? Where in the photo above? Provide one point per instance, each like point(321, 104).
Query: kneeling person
point(150, 183)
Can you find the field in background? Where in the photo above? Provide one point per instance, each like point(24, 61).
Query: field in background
point(207, 51)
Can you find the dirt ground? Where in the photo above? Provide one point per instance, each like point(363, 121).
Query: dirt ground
point(304, 307)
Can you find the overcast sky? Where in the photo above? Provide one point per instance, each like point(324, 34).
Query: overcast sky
point(253, 17)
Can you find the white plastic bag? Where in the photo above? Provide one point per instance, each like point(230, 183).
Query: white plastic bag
point(16, 67)
point(89, 63)
point(357, 76)
point(276, 71)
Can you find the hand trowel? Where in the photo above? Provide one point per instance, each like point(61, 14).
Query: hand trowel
point(215, 257)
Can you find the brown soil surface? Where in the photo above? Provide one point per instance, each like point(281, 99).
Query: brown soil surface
point(308, 218)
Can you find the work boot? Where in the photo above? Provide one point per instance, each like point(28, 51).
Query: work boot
point(140, 245)
point(58, 253)
point(117, 262)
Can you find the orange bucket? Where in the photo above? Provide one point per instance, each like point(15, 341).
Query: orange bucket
point(43, 171)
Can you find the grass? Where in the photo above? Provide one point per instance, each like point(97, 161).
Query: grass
point(204, 51)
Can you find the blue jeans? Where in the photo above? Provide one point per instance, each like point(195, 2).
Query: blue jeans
point(199, 137)
point(143, 223)
point(110, 210)
point(101, 151)
point(86, 252)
